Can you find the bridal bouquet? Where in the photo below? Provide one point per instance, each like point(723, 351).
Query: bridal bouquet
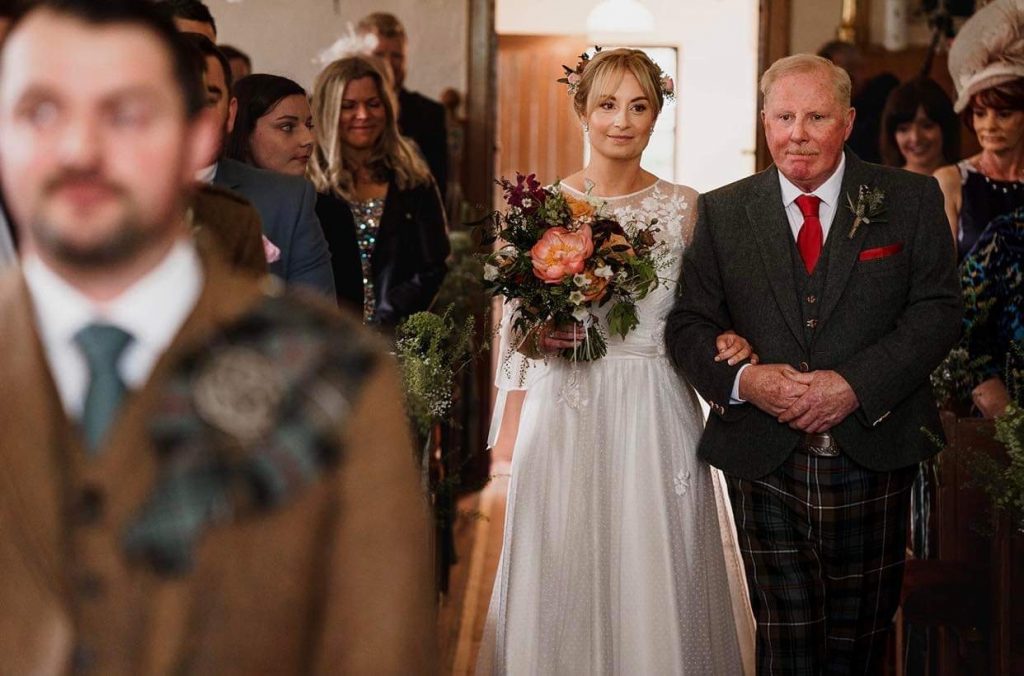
point(562, 258)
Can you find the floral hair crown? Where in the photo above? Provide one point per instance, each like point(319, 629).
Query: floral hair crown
point(573, 76)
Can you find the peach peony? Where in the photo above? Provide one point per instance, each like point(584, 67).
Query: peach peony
point(561, 253)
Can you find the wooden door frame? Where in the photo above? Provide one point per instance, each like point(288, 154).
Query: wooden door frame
point(772, 44)
point(481, 105)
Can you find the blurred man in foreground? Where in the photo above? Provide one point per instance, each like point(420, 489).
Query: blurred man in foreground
point(196, 475)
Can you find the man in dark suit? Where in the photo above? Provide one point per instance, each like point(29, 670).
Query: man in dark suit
point(849, 313)
point(420, 118)
point(297, 250)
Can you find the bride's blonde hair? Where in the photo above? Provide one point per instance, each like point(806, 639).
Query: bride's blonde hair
point(329, 169)
point(604, 72)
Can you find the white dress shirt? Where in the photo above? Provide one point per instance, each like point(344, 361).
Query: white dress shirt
point(828, 193)
point(152, 310)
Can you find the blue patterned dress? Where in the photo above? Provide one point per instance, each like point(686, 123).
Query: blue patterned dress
point(992, 276)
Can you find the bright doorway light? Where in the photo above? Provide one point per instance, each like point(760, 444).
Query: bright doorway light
point(620, 16)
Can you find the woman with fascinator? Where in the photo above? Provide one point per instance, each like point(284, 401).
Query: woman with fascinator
point(613, 559)
point(987, 65)
point(985, 195)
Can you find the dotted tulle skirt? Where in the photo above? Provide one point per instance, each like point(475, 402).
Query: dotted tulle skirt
point(613, 560)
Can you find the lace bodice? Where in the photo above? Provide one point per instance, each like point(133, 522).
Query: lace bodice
point(675, 208)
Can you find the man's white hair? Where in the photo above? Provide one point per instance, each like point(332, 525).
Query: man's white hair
point(809, 63)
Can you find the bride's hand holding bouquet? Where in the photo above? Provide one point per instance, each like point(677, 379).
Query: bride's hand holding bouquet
point(561, 260)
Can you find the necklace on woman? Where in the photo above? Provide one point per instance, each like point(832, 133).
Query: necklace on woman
point(986, 170)
point(636, 185)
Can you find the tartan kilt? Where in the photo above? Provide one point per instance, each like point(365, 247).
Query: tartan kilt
point(823, 542)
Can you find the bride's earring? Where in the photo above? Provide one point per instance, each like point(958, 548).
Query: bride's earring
point(586, 128)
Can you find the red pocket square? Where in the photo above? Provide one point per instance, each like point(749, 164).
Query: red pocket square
point(880, 252)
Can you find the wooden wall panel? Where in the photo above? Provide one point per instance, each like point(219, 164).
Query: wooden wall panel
point(537, 130)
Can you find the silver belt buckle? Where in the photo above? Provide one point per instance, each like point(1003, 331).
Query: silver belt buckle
point(823, 445)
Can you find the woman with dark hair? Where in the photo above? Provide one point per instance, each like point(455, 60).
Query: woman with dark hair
point(273, 130)
point(379, 202)
point(920, 131)
point(273, 127)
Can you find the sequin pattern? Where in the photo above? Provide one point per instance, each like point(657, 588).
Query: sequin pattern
point(367, 218)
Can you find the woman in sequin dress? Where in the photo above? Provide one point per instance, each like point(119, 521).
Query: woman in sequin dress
point(379, 202)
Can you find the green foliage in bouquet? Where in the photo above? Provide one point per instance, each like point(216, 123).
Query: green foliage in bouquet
point(431, 349)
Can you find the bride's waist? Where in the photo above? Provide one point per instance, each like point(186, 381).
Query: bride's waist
point(628, 350)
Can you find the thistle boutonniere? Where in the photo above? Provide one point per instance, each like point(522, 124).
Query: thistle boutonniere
point(869, 207)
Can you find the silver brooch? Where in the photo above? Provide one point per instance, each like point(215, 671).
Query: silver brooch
point(239, 392)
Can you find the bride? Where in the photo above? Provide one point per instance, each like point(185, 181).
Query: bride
point(613, 560)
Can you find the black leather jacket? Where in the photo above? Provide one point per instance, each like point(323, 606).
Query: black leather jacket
point(408, 260)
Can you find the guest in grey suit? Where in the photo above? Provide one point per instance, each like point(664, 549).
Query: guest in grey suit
point(820, 443)
point(296, 249)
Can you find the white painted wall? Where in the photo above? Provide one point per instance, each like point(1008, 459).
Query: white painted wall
point(717, 83)
point(284, 36)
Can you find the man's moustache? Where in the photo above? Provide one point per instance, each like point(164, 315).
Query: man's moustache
point(69, 179)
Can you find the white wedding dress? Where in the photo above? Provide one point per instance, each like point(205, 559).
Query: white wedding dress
point(613, 549)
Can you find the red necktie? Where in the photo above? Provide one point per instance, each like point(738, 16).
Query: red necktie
point(810, 238)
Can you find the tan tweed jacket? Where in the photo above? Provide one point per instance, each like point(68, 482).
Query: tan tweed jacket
point(338, 581)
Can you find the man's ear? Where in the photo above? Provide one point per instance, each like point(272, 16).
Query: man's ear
point(202, 142)
point(850, 117)
point(232, 112)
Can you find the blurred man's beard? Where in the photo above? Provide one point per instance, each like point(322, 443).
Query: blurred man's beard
point(124, 239)
point(122, 244)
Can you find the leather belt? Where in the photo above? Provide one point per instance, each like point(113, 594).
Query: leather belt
point(823, 444)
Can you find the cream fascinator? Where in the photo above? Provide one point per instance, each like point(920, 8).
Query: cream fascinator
point(349, 44)
point(988, 50)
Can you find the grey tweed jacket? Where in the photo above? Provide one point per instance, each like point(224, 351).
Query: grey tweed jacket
point(885, 322)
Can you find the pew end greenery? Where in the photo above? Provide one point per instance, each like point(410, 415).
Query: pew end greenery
point(432, 349)
point(441, 357)
point(1003, 481)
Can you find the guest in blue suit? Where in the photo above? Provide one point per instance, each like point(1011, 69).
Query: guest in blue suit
point(296, 249)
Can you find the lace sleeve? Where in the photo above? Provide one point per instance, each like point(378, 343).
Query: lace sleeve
point(514, 371)
point(689, 221)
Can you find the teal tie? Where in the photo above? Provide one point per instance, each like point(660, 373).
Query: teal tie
point(102, 345)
